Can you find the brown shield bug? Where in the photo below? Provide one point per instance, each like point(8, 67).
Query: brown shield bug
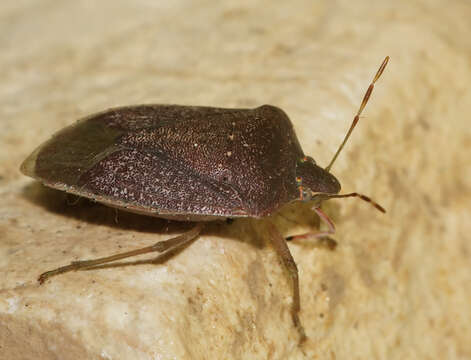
point(192, 164)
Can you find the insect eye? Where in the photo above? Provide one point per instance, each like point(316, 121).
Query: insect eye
point(307, 159)
point(311, 160)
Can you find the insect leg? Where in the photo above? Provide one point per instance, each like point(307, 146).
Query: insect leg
point(161, 246)
point(282, 249)
point(323, 235)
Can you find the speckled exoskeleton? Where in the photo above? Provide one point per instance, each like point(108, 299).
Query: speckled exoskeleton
point(190, 163)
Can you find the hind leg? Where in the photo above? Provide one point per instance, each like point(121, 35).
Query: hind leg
point(161, 246)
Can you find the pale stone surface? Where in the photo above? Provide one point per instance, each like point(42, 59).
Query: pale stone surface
point(396, 287)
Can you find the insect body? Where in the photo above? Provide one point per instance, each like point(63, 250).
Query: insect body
point(189, 163)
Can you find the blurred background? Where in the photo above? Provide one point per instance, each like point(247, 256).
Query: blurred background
point(396, 287)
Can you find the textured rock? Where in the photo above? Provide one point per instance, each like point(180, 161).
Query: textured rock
point(397, 285)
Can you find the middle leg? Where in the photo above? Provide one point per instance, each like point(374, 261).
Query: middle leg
point(282, 249)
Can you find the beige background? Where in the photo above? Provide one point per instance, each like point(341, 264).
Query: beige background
point(396, 287)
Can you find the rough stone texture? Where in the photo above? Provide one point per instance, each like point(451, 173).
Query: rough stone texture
point(396, 287)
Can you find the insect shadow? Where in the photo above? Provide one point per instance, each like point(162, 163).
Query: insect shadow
point(87, 211)
point(84, 210)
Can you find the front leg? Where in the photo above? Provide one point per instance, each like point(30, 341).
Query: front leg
point(319, 234)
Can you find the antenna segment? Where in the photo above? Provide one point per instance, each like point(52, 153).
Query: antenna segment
point(366, 97)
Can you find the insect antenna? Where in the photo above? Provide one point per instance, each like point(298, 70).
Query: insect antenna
point(361, 196)
point(366, 97)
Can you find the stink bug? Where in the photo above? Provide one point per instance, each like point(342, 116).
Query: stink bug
point(190, 163)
